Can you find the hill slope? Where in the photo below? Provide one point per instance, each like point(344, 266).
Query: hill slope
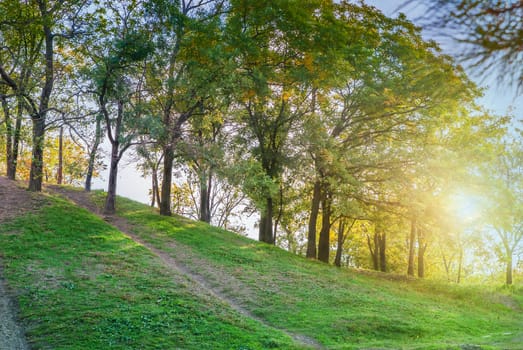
point(82, 284)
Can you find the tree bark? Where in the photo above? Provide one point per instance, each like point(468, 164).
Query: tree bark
point(265, 230)
point(60, 171)
point(313, 220)
point(372, 244)
point(168, 161)
point(11, 169)
point(9, 135)
point(339, 248)
point(38, 119)
point(460, 265)
point(422, 247)
point(205, 197)
point(12, 135)
point(412, 241)
point(110, 200)
point(508, 274)
point(37, 160)
point(324, 241)
point(382, 244)
point(92, 154)
point(155, 188)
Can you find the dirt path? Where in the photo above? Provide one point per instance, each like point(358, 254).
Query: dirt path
point(200, 283)
point(11, 333)
point(14, 201)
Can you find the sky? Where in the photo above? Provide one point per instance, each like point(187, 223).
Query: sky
point(497, 98)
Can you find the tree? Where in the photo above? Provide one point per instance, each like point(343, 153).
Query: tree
point(275, 45)
point(185, 70)
point(150, 159)
point(48, 21)
point(117, 81)
point(506, 208)
point(491, 31)
point(68, 160)
point(389, 89)
point(19, 57)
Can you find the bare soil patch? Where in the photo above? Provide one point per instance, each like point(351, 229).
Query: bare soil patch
point(15, 200)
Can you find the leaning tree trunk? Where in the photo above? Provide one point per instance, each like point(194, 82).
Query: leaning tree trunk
point(313, 220)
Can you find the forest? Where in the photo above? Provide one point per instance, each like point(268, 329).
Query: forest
point(346, 135)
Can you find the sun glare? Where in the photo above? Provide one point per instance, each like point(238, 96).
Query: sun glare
point(466, 206)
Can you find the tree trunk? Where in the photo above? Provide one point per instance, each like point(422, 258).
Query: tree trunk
point(38, 119)
point(9, 135)
point(324, 241)
point(92, 154)
point(460, 265)
point(382, 245)
point(11, 169)
point(508, 275)
point(265, 229)
point(155, 191)
point(205, 197)
point(168, 161)
point(280, 213)
point(37, 160)
point(447, 263)
point(313, 219)
point(339, 248)
point(60, 171)
point(110, 200)
point(12, 136)
point(373, 249)
point(422, 247)
point(412, 241)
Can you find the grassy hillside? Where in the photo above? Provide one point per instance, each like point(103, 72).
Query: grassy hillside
point(84, 285)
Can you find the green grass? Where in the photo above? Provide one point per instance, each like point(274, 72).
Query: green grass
point(84, 285)
point(340, 308)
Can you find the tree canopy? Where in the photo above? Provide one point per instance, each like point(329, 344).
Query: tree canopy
point(341, 130)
